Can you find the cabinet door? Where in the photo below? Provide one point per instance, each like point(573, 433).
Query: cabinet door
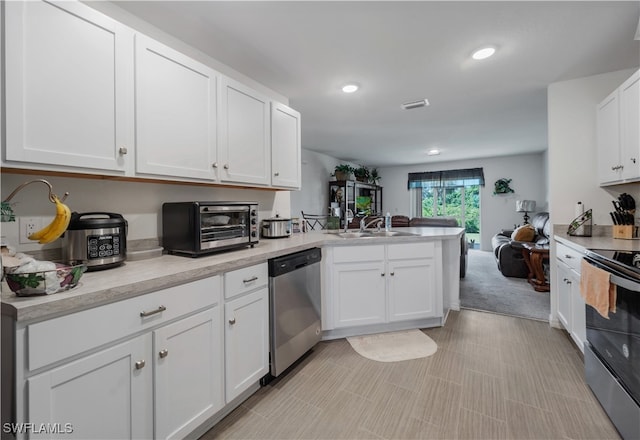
point(285, 146)
point(412, 289)
point(578, 315)
point(608, 138)
point(359, 294)
point(564, 294)
point(630, 126)
point(104, 395)
point(189, 373)
point(246, 342)
point(244, 134)
point(175, 113)
point(68, 86)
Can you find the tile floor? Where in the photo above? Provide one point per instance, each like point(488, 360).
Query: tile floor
point(493, 377)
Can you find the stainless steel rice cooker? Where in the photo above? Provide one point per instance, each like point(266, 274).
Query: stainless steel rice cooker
point(97, 238)
point(276, 227)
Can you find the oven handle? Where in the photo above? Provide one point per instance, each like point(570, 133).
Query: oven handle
point(616, 279)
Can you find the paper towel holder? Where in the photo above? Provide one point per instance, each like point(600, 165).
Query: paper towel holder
point(581, 225)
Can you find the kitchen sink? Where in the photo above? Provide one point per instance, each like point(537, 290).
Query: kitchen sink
point(373, 234)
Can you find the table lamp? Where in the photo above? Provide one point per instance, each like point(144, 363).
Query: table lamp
point(525, 206)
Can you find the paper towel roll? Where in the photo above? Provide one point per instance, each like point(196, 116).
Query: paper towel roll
point(579, 210)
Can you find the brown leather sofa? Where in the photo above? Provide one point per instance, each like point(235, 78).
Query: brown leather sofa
point(399, 221)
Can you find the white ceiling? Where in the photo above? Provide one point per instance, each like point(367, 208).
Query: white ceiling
point(404, 51)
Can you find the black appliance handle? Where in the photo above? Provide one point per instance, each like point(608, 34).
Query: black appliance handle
point(615, 277)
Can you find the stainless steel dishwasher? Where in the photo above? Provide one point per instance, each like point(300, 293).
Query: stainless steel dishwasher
point(294, 307)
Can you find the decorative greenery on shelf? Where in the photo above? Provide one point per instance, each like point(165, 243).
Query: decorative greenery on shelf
point(362, 173)
point(374, 177)
point(502, 186)
point(343, 172)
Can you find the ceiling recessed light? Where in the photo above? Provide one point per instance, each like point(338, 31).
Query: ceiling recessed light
point(433, 152)
point(483, 53)
point(350, 88)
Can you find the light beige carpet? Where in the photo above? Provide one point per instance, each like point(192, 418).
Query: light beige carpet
point(394, 346)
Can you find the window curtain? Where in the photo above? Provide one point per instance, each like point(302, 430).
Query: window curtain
point(447, 178)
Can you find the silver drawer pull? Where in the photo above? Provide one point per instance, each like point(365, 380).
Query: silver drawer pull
point(163, 353)
point(140, 364)
point(153, 312)
point(250, 280)
point(232, 321)
point(568, 256)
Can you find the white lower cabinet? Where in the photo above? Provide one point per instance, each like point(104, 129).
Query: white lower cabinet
point(108, 394)
point(163, 382)
point(246, 329)
point(246, 341)
point(571, 306)
point(188, 373)
point(383, 283)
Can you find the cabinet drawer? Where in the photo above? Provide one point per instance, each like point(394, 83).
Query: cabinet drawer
point(245, 280)
point(352, 254)
point(408, 251)
point(570, 257)
point(56, 339)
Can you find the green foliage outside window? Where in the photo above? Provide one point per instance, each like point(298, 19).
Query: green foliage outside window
point(451, 206)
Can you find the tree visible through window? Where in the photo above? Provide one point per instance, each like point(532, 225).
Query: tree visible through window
point(454, 193)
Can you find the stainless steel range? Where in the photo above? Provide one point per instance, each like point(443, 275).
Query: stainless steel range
point(612, 351)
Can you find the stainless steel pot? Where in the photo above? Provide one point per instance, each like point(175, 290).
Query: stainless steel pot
point(97, 238)
point(276, 227)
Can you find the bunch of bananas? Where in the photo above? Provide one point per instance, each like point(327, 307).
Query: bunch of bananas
point(57, 227)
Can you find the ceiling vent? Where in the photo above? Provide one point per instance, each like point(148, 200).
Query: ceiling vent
point(415, 104)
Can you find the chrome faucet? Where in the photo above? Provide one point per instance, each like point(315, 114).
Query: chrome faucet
point(364, 225)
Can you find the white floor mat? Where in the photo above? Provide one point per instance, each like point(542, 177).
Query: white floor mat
point(394, 346)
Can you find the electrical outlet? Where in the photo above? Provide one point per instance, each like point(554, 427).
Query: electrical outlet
point(29, 225)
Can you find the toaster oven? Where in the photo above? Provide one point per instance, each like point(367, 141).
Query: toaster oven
point(199, 228)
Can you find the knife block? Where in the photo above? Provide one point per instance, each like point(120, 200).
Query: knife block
point(625, 231)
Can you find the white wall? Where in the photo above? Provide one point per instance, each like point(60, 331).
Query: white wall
point(139, 203)
point(572, 147)
point(496, 211)
point(313, 197)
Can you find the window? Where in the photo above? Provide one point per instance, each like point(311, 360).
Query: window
point(450, 193)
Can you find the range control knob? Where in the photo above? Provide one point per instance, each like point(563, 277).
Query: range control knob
point(253, 233)
point(253, 213)
point(253, 221)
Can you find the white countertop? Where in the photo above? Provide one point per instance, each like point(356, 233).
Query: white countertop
point(608, 243)
point(139, 277)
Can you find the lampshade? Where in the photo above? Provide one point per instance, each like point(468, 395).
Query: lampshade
point(525, 205)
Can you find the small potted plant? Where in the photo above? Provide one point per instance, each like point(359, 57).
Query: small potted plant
point(343, 172)
point(362, 174)
point(374, 177)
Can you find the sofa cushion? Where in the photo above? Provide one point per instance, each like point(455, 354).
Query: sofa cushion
point(524, 233)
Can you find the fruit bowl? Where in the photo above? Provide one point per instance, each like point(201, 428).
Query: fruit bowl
point(46, 282)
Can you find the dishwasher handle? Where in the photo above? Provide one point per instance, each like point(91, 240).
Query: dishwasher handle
point(288, 263)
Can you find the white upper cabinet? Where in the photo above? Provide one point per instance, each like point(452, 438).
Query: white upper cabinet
point(285, 146)
point(630, 126)
point(618, 125)
point(68, 87)
point(608, 127)
point(175, 113)
point(244, 152)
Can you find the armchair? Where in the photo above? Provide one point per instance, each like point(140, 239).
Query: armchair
point(508, 252)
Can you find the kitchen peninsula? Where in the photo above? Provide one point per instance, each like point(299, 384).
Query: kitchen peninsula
point(99, 336)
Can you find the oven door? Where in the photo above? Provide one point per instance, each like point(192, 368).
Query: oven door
point(224, 225)
point(616, 341)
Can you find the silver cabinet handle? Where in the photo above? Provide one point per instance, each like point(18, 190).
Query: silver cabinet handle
point(163, 353)
point(382, 274)
point(122, 151)
point(153, 312)
point(568, 256)
point(250, 280)
point(140, 364)
point(276, 174)
point(392, 274)
point(232, 321)
point(226, 166)
point(633, 160)
point(214, 165)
